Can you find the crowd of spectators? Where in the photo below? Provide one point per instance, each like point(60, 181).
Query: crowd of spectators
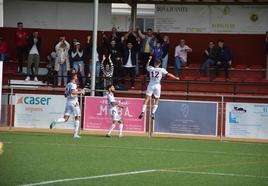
point(120, 57)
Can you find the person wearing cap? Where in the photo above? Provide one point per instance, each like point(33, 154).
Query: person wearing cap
point(77, 58)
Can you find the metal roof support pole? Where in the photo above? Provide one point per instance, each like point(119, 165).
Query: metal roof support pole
point(94, 47)
point(133, 14)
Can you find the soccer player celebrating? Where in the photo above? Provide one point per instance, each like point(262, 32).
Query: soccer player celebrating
point(72, 105)
point(154, 86)
point(114, 105)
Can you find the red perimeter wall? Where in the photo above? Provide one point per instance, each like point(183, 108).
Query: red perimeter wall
point(247, 49)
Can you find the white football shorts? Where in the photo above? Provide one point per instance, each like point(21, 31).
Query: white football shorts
point(72, 108)
point(154, 89)
point(115, 115)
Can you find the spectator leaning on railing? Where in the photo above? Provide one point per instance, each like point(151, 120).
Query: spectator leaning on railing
point(34, 45)
point(181, 54)
point(21, 45)
point(62, 63)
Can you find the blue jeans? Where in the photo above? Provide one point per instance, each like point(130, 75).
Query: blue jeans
point(206, 65)
point(3, 57)
point(177, 66)
point(62, 72)
point(165, 62)
point(97, 69)
point(79, 66)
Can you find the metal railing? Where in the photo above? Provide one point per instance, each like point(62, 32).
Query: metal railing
point(220, 98)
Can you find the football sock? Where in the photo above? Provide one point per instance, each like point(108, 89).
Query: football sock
point(76, 127)
point(154, 109)
point(60, 120)
point(111, 129)
point(120, 129)
point(144, 108)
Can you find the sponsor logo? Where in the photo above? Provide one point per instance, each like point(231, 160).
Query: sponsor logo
point(236, 114)
point(30, 100)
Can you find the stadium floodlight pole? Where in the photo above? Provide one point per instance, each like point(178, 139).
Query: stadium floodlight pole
point(94, 47)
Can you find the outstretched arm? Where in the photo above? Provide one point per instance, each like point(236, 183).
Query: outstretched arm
point(172, 76)
point(148, 63)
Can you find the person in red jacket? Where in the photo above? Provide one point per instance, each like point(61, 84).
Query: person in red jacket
point(3, 49)
point(21, 45)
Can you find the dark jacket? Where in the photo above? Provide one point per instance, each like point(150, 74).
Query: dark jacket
point(126, 54)
point(224, 54)
point(31, 43)
point(212, 54)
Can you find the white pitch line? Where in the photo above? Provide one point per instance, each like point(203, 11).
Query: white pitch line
point(140, 148)
point(89, 177)
point(215, 174)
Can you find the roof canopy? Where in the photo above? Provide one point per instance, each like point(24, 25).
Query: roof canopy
point(172, 1)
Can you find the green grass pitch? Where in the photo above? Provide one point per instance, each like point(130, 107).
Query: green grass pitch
point(31, 158)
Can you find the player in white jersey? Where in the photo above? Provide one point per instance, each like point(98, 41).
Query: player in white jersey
point(154, 86)
point(72, 105)
point(114, 106)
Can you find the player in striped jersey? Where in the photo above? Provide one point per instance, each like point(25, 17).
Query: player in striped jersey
point(154, 86)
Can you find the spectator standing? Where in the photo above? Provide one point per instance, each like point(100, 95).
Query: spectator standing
point(129, 62)
point(165, 48)
point(62, 63)
point(3, 49)
point(107, 71)
point(34, 45)
point(266, 53)
point(115, 57)
point(224, 58)
point(77, 57)
point(211, 57)
point(158, 51)
point(132, 37)
point(21, 45)
point(148, 42)
point(116, 36)
point(181, 54)
point(89, 50)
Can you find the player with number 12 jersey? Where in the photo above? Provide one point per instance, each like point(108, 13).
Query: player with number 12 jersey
point(154, 86)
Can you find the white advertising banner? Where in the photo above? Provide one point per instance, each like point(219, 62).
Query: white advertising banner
point(182, 18)
point(244, 19)
point(38, 111)
point(239, 19)
point(246, 120)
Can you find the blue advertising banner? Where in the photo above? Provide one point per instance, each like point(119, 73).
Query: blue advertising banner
point(246, 120)
point(186, 117)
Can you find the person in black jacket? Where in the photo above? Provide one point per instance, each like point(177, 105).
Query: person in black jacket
point(224, 58)
point(129, 62)
point(34, 45)
point(211, 57)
